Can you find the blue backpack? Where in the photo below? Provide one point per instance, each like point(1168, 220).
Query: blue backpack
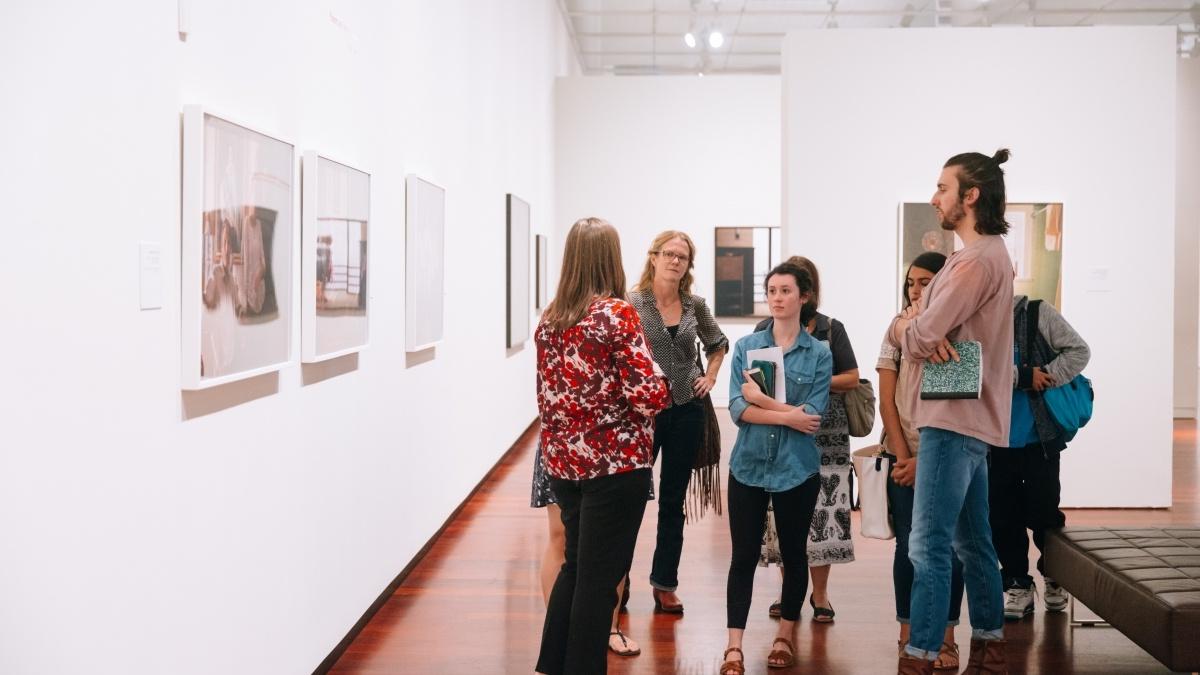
point(1070, 405)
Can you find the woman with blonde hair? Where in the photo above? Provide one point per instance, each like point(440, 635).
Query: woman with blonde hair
point(673, 319)
point(598, 392)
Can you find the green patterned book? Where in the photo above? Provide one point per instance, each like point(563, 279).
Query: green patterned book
point(955, 379)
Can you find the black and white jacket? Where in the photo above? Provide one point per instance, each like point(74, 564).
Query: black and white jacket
point(677, 355)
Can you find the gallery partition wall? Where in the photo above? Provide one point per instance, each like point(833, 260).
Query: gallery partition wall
point(1089, 114)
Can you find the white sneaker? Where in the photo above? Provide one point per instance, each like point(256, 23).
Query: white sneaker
point(1056, 596)
point(1018, 603)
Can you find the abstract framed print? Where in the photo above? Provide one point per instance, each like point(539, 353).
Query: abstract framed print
point(237, 236)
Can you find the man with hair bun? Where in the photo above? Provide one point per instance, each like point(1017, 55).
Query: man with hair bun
point(970, 299)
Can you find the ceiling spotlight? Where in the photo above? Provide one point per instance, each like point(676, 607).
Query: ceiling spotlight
point(689, 39)
point(715, 39)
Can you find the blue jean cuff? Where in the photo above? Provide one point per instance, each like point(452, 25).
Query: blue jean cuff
point(982, 634)
point(904, 620)
point(921, 653)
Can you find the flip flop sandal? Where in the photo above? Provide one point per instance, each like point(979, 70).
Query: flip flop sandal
point(779, 658)
point(625, 649)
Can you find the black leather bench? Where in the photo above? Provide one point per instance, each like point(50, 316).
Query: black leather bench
point(1144, 581)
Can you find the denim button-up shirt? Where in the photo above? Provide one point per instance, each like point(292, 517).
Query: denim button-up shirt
point(778, 458)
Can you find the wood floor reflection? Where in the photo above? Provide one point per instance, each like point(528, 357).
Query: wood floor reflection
point(473, 605)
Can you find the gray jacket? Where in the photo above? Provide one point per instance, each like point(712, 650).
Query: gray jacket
point(1072, 352)
point(1058, 350)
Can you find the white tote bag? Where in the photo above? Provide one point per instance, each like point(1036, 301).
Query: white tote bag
point(872, 469)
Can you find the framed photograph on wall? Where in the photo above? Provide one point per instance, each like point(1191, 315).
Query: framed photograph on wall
point(237, 235)
point(424, 269)
point(541, 285)
point(744, 256)
point(1034, 242)
point(518, 270)
point(335, 208)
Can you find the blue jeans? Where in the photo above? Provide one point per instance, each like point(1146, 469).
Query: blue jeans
point(950, 516)
point(900, 503)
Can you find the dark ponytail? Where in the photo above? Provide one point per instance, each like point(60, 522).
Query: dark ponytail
point(976, 170)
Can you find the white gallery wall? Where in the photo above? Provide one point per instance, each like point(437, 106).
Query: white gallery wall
point(245, 529)
point(681, 153)
point(1187, 238)
point(1089, 113)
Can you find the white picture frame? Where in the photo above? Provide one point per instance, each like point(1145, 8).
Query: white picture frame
point(1034, 244)
point(541, 272)
point(335, 207)
point(517, 246)
point(424, 273)
point(238, 230)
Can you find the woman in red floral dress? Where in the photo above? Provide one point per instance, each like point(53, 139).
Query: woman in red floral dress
point(598, 393)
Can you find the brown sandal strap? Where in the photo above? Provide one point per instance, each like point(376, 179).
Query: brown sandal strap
point(779, 658)
point(738, 667)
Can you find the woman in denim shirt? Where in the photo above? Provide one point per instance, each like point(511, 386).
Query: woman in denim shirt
point(776, 459)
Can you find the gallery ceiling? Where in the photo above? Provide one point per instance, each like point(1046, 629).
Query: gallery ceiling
point(650, 37)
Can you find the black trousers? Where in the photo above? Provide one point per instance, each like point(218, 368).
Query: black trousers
point(678, 431)
point(793, 515)
point(601, 517)
point(1023, 493)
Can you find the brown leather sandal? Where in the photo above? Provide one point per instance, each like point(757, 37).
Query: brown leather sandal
point(733, 667)
point(947, 657)
point(779, 658)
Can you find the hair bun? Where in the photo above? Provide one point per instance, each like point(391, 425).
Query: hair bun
point(1001, 156)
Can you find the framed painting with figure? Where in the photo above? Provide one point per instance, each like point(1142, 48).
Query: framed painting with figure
point(237, 234)
point(335, 214)
point(1034, 241)
point(518, 313)
point(424, 264)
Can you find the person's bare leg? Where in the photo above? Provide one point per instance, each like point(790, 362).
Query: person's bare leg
point(787, 631)
point(556, 546)
point(947, 656)
point(735, 642)
point(820, 589)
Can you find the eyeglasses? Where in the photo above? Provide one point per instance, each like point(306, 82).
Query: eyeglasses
point(673, 257)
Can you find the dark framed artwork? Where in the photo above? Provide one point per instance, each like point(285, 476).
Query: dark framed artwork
point(744, 256)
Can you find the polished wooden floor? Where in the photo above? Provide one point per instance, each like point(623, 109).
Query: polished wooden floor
point(473, 605)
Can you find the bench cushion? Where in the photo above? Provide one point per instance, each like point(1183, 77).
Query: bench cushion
point(1143, 581)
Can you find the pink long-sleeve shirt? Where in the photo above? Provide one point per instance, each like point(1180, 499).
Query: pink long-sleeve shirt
point(969, 299)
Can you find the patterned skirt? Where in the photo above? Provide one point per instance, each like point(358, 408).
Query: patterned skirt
point(829, 540)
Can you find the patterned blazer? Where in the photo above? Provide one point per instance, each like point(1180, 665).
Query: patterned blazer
point(677, 356)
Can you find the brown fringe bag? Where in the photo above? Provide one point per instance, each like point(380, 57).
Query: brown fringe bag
point(704, 487)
